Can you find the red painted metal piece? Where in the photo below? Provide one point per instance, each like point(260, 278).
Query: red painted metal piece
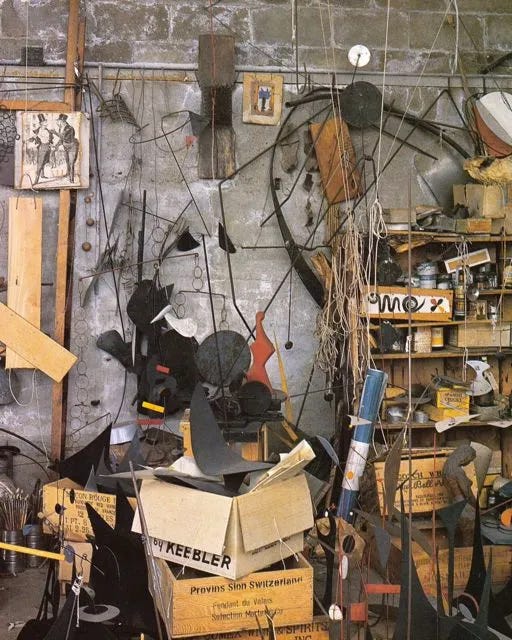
point(261, 349)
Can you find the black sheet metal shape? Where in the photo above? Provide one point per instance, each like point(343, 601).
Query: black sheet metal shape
point(146, 301)
point(64, 626)
point(194, 483)
point(227, 349)
point(450, 516)
point(78, 466)
point(426, 622)
point(360, 104)
point(254, 398)
point(211, 452)
point(186, 242)
point(225, 241)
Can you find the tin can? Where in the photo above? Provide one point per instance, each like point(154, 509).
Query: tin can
point(437, 338)
point(492, 311)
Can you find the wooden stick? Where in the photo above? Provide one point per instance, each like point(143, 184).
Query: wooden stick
point(32, 552)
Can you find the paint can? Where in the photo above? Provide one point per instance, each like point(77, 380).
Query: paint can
point(428, 282)
point(35, 540)
point(422, 340)
point(437, 338)
point(13, 561)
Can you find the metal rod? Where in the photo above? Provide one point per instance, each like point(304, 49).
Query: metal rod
point(135, 264)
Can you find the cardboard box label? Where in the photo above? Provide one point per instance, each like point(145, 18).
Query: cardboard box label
point(72, 497)
point(219, 564)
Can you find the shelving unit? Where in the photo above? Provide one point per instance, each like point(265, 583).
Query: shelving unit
point(448, 361)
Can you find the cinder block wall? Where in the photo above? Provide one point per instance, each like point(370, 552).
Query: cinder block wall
point(421, 39)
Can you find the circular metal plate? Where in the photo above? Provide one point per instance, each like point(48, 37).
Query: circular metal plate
point(234, 355)
point(360, 104)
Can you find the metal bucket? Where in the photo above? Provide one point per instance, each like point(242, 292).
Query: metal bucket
point(13, 561)
point(35, 539)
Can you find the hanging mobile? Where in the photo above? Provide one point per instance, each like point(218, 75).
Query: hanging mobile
point(197, 282)
point(179, 300)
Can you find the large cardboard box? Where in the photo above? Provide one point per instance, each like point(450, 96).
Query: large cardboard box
point(72, 498)
point(228, 537)
point(480, 335)
point(82, 561)
point(195, 606)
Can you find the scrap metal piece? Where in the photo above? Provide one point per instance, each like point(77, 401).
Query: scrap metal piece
point(211, 452)
point(254, 397)
point(232, 355)
point(78, 466)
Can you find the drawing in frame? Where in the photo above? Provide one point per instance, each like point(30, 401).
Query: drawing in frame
point(52, 151)
point(263, 98)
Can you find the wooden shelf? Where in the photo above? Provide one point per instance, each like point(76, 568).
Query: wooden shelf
point(451, 237)
point(442, 353)
point(439, 323)
point(398, 426)
point(495, 292)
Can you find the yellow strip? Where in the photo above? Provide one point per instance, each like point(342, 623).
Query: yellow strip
point(32, 552)
point(153, 407)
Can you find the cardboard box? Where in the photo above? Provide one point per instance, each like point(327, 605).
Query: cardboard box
point(483, 201)
point(425, 564)
point(480, 335)
point(472, 259)
point(73, 497)
point(474, 225)
point(451, 398)
point(436, 413)
point(83, 557)
point(318, 629)
point(195, 606)
point(228, 537)
point(428, 490)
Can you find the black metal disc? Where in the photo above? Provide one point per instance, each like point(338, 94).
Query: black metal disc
point(234, 356)
point(360, 104)
point(254, 398)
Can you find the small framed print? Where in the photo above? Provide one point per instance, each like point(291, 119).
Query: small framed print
point(52, 151)
point(263, 98)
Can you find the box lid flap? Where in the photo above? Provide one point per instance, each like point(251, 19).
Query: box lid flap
point(186, 516)
point(275, 512)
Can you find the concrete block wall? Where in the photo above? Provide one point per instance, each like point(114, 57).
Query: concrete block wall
point(145, 32)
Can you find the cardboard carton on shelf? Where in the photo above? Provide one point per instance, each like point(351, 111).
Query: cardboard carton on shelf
point(72, 498)
point(83, 557)
point(451, 398)
point(483, 201)
point(229, 537)
point(194, 605)
point(480, 335)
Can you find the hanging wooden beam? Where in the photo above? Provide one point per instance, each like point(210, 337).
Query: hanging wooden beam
point(74, 61)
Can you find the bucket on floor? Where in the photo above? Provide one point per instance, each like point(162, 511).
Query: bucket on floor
point(13, 561)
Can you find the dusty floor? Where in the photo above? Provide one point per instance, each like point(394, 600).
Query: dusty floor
point(20, 597)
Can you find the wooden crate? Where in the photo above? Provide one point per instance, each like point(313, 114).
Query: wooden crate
point(212, 605)
point(425, 564)
point(316, 630)
point(428, 490)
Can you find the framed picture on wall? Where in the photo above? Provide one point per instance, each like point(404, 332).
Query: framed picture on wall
point(263, 98)
point(52, 151)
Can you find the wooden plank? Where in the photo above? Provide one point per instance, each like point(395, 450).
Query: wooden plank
point(74, 56)
point(336, 160)
point(24, 266)
point(35, 105)
point(33, 345)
